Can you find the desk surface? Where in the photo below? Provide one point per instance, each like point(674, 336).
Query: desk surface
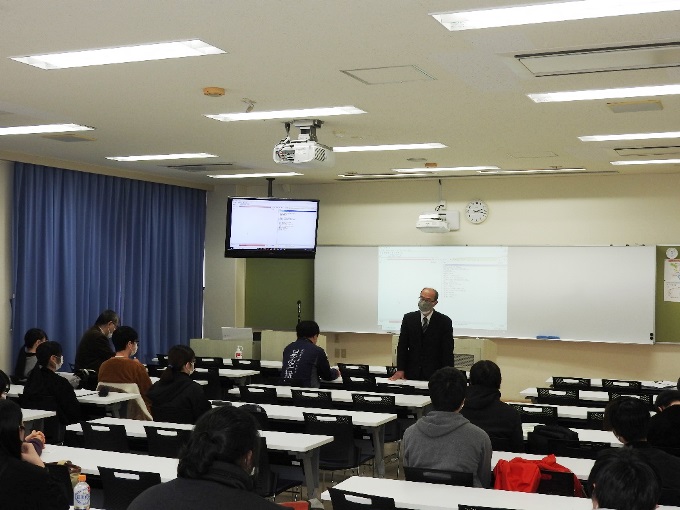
point(292, 413)
point(402, 400)
point(648, 385)
point(599, 436)
point(233, 373)
point(85, 396)
point(284, 441)
point(425, 496)
point(36, 414)
point(88, 460)
point(595, 396)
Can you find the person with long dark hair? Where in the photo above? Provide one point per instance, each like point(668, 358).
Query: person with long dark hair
point(44, 383)
point(176, 397)
point(214, 467)
point(25, 482)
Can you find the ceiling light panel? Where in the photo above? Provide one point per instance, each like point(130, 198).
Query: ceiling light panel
point(629, 136)
point(161, 157)
point(532, 171)
point(304, 113)
point(550, 12)
point(445, 169)
point(121, 54)
point(618, 93)
point(394, 147)
point(44, 128)
point(245, 176)
point(647, 162)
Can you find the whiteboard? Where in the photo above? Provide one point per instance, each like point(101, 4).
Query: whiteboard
point(593, 293)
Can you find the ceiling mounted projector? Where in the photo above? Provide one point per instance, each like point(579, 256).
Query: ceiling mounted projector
point(306, 151)
point(439, 221)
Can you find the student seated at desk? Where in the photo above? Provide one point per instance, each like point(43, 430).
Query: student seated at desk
point(176, 397)
point(44, 383)
point(623, 480)
point(446, 440)
point(483, 406)
point(304, 362)
point(26, 361)
point(214, 469)
point(664, 426)
point(25, 482)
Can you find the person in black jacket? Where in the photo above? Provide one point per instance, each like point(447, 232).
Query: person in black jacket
point(425, 340)
point(25, 482)
point(176, 397)
point(213, 471)
point(304, 362)
point(94, 347)
point(44, 383)
point(664, 426)
point(483, 407)
point(26, 361)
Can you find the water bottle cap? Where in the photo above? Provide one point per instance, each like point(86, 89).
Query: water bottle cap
point(81, 478)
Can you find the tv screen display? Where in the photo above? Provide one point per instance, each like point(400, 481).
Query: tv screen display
point(271, 228)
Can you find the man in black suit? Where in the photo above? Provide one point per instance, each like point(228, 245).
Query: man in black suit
point(425, 340)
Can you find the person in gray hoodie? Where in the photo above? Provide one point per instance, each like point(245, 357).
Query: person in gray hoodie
point(444, 439)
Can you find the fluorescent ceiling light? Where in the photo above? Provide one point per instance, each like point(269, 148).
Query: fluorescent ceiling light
point(584, 95)
point(629, 136)
point(394, 147)
point(532, 171)
point(550, 12)
point(647, 162)
point(444, 169)
point(154, 157)
point(245, 176)
point(121, 54)
point(288, 114)
point(380, 176)
point(44, 128)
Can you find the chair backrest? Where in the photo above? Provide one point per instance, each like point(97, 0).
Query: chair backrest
point(401, 389)
point(258, 395)
point(345, 500)
point(353, 382)
point(536, 413)
point(136, 409)
point(576, 449)
point(213, 390)
point(374, 403)
point(164, 442)
point(259, 414)
point(418, 474)
point(265, 483)
point(311, 398)
point(99, 436)
point(621, 385)
point(162, 359)
point(645, 397)
point(246, 364)
point(564, 396)
point(59, 473)
point(501, 444)
point(121, 486)
point(571, 382)
point(208, 362)
point(354, 369)
point(342, 449)
point(595, 420)
point(155, 370)
point(556, 483)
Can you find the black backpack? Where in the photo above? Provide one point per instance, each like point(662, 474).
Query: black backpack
point(537, 441)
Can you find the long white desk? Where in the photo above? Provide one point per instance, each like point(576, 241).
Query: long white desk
point(88, 460)
point(426, 496)
point(417, 403)
point(421, 385)
point(374, 422)
point(113, 399)
point(572, 412)
point(304, 446)
point(33, 418)
point(646, 385)
point(239, 376)
point(595, 396)
point(598, 436)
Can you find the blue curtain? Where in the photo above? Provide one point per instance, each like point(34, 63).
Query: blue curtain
point(82, 243)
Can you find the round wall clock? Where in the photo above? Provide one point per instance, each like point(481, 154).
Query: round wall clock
point(476, 211)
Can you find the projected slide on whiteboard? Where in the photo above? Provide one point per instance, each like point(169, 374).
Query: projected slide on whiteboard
point(472, 284)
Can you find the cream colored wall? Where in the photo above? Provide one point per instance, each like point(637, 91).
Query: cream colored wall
point(6, 362)
point(569, 210)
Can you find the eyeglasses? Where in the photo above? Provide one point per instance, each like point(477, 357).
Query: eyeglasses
point(426, 299)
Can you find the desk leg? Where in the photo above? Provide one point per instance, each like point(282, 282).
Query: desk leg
point(310, 462)
point(378, 448)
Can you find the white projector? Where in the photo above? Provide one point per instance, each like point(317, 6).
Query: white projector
point(438, 222)
point(303, 153)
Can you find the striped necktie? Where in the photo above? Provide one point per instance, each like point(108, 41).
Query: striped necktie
point(425, 323)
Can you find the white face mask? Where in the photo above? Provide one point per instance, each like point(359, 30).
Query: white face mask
point(135, 350)
point(59, 363)
point(425, 306)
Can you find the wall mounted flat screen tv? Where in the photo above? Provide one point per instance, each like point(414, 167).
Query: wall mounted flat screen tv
point(271, 228)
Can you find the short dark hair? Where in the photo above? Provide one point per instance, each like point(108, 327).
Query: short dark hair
point(666, 398)
point(623, 480)
point(307, 329)
point(628, 417)
point(485, 373)
point(178, 356)
point(32, 336)
point(447, 389)
point(46, 350)
point(122, 336)
point(223, 434)
point(107, 316)
point(10, 421)
point(5, 382)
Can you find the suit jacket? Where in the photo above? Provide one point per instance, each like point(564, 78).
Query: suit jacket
point(93, 350)
point(420, 354)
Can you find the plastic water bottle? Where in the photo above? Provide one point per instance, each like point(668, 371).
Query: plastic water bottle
point(81, 494)
point(239, 352)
